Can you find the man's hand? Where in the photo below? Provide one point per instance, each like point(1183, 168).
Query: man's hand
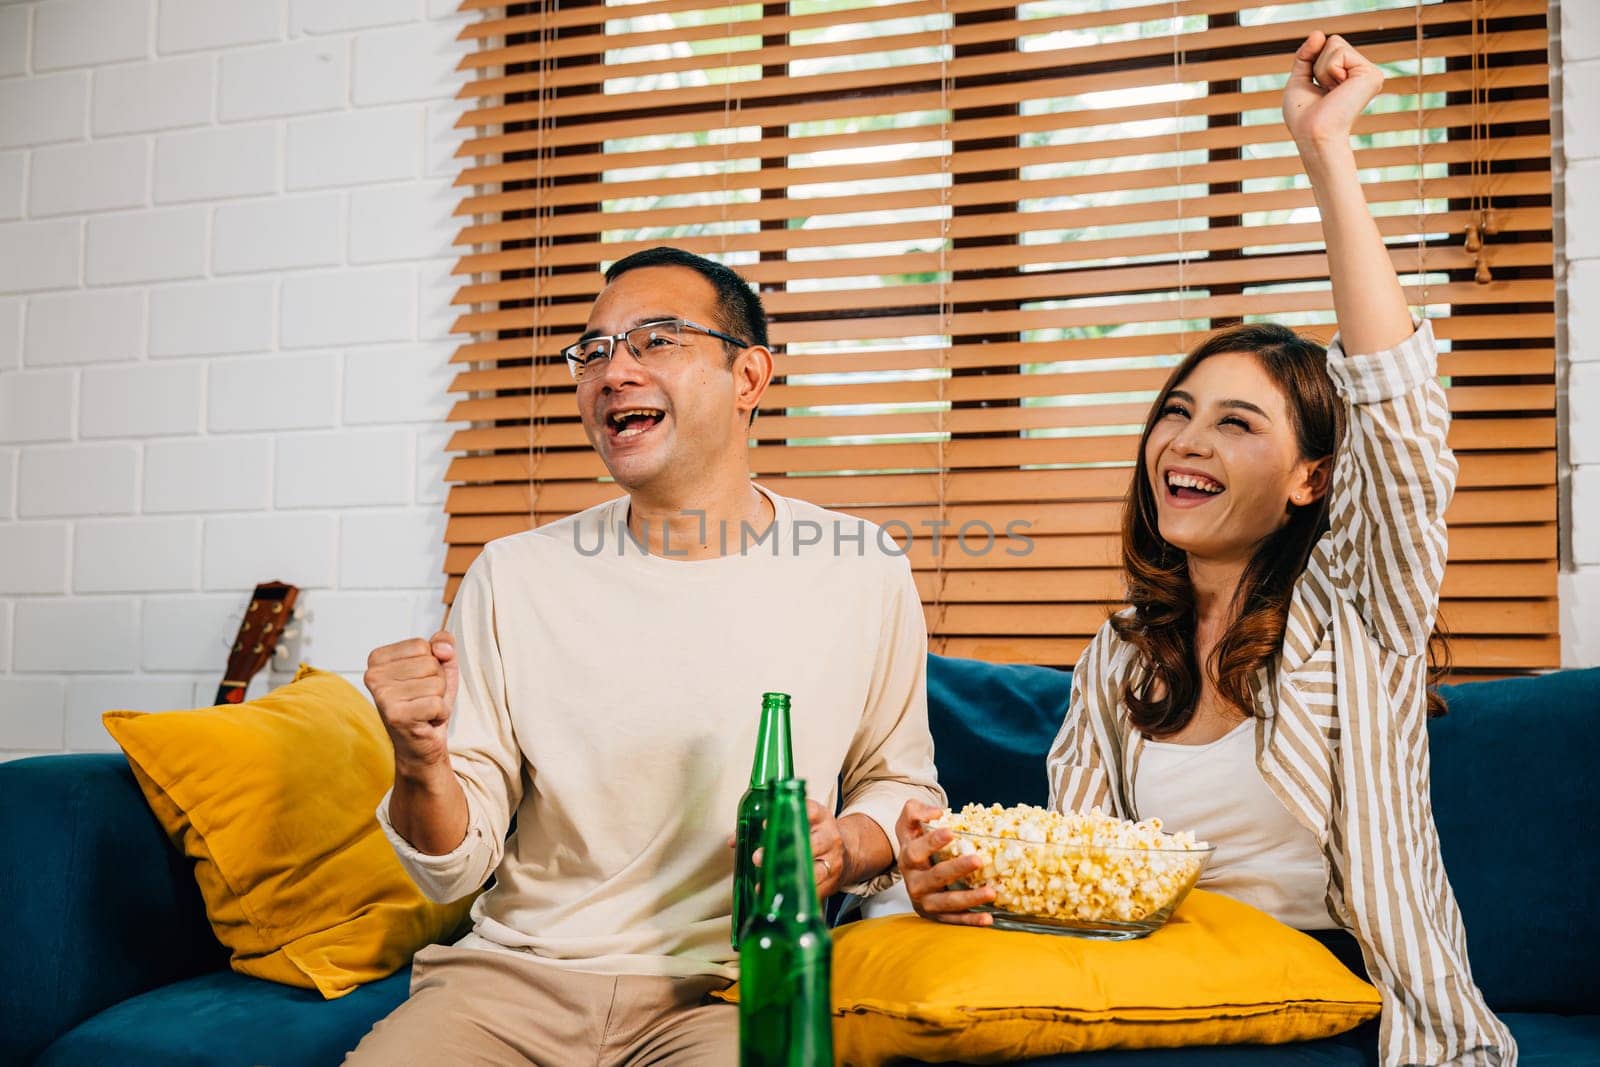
point(928, 885)
point(827, 849)
point(414, 685)
point(1329, 86)
point(843, 851)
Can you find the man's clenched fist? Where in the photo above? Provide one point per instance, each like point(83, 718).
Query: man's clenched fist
point(414, 685)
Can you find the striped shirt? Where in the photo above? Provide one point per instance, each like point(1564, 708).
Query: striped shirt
point(1341, 736)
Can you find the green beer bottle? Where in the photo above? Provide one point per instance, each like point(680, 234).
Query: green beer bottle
point(773, 760)
point(785, 958)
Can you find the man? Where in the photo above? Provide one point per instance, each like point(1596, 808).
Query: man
point(601, 679)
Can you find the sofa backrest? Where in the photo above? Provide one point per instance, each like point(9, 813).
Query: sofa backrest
point(992, 725)
point(98, 905)
point(1511, 765)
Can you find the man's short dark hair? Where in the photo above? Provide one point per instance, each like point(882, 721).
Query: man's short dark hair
point(738, 306)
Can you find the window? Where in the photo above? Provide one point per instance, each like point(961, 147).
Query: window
point(984, 231)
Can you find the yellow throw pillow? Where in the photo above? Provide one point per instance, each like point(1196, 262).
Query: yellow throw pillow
point(1218, 973)
point(274, 801)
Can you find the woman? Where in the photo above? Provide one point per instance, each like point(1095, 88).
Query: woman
point(1304, 576)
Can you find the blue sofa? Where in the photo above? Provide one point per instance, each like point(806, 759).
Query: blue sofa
point(107, 957)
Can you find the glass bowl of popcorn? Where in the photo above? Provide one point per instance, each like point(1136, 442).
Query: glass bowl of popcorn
point(1083, 874)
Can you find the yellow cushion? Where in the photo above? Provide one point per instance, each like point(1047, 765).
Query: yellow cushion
point(1218, 973)
point(274, 800)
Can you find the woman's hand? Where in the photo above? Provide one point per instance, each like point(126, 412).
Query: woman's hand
point(1329, 86)
point(928, 885)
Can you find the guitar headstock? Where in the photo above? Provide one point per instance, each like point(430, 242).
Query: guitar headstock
point(271, 609)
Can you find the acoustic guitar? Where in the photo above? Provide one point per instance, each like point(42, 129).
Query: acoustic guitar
point(265, 621)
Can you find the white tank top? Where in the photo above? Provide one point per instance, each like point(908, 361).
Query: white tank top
point(1264, 857)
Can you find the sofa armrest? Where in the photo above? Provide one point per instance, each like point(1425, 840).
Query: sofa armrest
point(98, 905)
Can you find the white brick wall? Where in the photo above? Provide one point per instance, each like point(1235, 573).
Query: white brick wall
point(376, 546)
point(402, 222)
point(278, 234)
point(10, 334)
point(189, 633)
point(33, 557)
point(31, 713)
point(89, 698)
point(387, 64)
point(91, 635)
point(396, 384)
point(39, 110)
point(135, 555)
point(332, 16)
point(12, 173)
point(139, 97)
point(147, 246)
point(217, 163)
point(296, 547)
point(15, 23)
point(354, 467)
point(349, 307)
point(288, 79)
point(84, 326)
point(208, 474)
point(141, 400)
point(348, 625)
point(193, 25)
point(213, 318)
point(36, 406)
point(8, 485)
point(98, 176)
point(225, 241)
point(355, 148)
point(77, 480)
point(83, 33)
point(277, 392)
point(1579, 138)
point(39, 255)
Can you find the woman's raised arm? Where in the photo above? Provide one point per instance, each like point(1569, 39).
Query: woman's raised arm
point(1329, 86)
point(1395, 474)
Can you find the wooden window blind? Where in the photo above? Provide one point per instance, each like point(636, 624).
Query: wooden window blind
point(984, 232)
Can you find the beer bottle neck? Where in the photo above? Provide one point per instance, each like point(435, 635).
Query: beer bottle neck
point(788, 883)
point(774, 758)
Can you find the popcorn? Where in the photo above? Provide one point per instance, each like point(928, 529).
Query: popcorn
point(1073, 866)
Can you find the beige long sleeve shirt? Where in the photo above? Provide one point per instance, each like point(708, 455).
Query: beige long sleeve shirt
point(1341, 736)
point(610, 698)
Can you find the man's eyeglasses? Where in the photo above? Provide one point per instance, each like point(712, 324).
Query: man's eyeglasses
point(647, 341)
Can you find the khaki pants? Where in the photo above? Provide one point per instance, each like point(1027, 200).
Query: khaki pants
point(478, 1006)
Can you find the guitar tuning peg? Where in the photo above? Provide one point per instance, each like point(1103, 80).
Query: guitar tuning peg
point(289, 635)
point(300, 613)
point(281, 653)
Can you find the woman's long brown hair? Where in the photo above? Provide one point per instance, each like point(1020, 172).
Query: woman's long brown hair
point(1162, 626)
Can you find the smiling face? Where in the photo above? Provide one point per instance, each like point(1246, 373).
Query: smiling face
point(1223, 460)
point(667, 424)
